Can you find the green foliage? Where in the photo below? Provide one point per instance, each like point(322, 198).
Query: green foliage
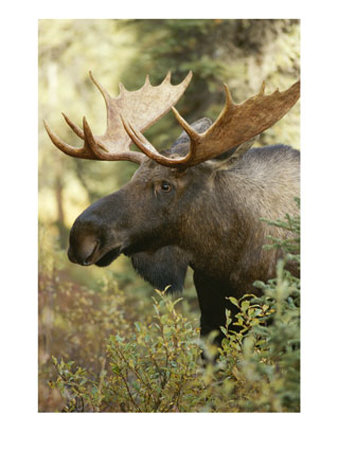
point(150, 369)
point(291, 246)
point(155, 369)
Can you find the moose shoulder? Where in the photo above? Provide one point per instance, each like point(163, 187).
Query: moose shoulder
point(198, 204)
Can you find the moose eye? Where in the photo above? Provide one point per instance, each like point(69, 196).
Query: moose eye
point(165, 186)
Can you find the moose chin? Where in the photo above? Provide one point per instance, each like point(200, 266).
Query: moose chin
point(197, 204)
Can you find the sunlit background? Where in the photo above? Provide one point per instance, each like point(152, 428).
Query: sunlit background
point(242, 53)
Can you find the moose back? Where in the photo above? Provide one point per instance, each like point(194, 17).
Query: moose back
point(197, 204)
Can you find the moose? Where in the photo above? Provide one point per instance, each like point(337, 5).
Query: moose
point(198, 203)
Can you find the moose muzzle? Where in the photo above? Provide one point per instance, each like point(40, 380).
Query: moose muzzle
point(84, 250)
point(95, 237)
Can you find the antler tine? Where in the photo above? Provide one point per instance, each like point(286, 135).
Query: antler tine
point(184, 124)
point(57, 141)
point(167, 78)
point(77, 130)
point(77, 152)
point(139, 140)
point(262, 89)
point(89, 139)
point(99, 86)
point(229, 102)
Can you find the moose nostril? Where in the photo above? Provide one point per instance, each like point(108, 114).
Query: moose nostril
point(89, 248)
point(83, 252)
point(89, 258)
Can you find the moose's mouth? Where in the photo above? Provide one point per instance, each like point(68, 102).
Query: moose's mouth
point(109, 257)
point(89, 251)
point(113, 254)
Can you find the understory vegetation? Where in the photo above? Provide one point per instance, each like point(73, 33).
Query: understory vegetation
point(103, 352)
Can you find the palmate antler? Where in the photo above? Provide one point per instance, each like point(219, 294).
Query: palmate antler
point(134, 111)
point(235, 125)
point(142, 108)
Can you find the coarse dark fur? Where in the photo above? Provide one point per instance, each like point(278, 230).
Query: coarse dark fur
point(206, 217)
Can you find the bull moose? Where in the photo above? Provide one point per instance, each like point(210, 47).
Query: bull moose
point(197, 204)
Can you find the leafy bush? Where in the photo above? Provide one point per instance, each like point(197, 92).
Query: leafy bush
point(156, 366)
point(153, 369)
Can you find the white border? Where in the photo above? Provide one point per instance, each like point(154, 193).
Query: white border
point(22, 425)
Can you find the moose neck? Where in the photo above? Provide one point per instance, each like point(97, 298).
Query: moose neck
point(231, 215)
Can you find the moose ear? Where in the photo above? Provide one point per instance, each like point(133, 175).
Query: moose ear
point(162, 268)
point(227, 159)
point(182, 143)
point(200, 126)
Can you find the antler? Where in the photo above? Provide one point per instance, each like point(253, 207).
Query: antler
point(235, 125)
point(142, 107)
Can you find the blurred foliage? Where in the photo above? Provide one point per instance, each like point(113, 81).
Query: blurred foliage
point(80, 308)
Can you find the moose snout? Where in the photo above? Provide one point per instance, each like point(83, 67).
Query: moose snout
point(96, 236)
